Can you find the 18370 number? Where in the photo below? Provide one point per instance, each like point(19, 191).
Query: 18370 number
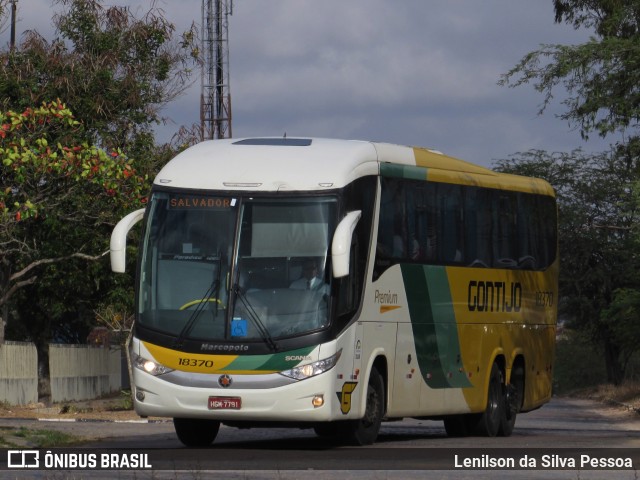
point(544, 299)
point(194, 362)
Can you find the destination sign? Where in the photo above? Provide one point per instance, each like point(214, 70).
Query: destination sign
point(184, 202)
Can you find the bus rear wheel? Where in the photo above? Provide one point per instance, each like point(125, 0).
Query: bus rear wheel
point(196, 432)
point(488, 422)
point(513, 395)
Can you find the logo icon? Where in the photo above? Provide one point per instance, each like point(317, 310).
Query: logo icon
point(345, 396)
point(23, 459)
point(225, 381)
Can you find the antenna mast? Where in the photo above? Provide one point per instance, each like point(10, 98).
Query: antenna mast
point(215, 97)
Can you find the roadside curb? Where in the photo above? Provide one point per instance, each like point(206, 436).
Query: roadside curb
point(85, 420)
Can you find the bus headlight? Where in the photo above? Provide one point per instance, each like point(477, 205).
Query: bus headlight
point(149, 366)
point(312, 369)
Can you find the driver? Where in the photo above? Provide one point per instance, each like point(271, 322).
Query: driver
point(311, 279)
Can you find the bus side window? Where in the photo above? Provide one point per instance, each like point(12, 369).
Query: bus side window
point(450, 224)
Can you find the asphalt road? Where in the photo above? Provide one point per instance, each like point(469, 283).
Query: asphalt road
point(562, 432)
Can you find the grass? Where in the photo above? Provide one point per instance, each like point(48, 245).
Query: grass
point(124, 403)
point(627, 394)
point(36, 438)
point(71, 408)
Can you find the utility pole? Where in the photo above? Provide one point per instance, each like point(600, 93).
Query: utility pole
point(12, 43)
point(215, 97)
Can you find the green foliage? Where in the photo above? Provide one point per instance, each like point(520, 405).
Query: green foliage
point(60, 202)
point(42, 159)
point(621, 318)
point(606, 17)
point(599, 194)
point(125, 402)
point(576, 366)
point(45, 438)
point(66, 179)
point(601, 76)
point(113, 70)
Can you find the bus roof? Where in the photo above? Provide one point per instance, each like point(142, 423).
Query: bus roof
point(315, 164)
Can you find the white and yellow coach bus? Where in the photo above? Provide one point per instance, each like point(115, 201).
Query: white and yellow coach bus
point(335, 284)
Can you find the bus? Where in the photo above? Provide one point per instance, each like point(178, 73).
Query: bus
point(336, 284)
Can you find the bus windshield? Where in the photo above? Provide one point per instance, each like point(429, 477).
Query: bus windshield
point(204, 278)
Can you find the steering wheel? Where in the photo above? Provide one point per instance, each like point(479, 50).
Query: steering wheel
point(201, 300)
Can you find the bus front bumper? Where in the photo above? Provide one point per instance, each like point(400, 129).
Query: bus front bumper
point(314, 399)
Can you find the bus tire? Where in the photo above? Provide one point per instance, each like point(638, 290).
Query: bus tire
point(196, 432)
point(513, 394)
point(365, 430)
point(489, 421)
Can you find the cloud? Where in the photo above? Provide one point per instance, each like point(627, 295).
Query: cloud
point(409, 71)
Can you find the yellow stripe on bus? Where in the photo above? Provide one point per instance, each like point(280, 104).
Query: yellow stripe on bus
point(190, 362)
point(388, 308)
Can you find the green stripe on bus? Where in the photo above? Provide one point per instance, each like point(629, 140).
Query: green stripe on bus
point(434, 326)
point(446, 326)
point(274, 362)
point(403, 171)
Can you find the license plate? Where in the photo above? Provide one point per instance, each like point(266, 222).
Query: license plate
point(225, 403)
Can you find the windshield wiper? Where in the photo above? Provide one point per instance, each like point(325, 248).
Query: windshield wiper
point(212, 292)
point(255, 318)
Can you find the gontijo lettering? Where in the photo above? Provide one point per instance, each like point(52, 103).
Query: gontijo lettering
point(494, 296)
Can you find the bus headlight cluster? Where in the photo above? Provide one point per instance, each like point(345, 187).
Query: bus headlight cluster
point(312, 369)
point(149, 366)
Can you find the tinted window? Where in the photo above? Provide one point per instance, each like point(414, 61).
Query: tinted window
point(446, 224)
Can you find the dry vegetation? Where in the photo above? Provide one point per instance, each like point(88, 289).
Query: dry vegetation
point(625, 396)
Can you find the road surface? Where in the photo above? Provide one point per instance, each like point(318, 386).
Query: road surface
point(556, 437)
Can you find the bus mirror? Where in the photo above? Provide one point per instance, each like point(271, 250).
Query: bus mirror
point(118, 244)
point(341, 245)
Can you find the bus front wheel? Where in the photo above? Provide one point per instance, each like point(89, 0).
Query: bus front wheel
point(196, 432)
point(365, 430)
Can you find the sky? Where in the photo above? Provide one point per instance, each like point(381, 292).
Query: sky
point(414, 72)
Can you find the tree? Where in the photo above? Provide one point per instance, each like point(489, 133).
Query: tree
point(599, 261)
point(71, 181)
point(113, 70)
point(601, 76)
point(57, 184)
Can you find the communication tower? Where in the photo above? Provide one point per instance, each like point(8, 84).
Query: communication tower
point(215, 97)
